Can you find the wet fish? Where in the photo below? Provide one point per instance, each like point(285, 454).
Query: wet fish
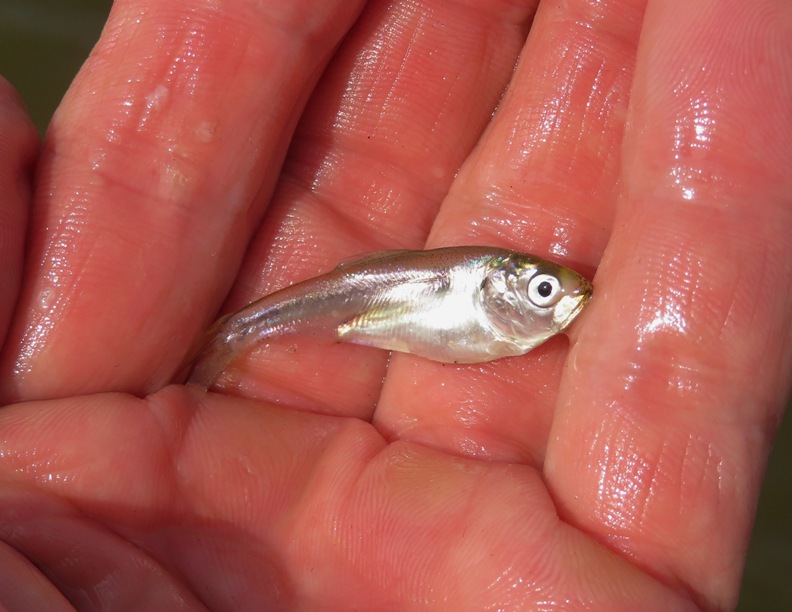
point(454, 305)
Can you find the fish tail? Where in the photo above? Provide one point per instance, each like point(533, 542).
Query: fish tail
point(208, 368)
point(209, 357)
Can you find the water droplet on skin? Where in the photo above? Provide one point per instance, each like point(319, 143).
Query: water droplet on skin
point(692, 140)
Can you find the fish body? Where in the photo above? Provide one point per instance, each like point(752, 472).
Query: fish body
point(454, 305)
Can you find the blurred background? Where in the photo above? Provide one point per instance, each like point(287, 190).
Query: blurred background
point(42, 45)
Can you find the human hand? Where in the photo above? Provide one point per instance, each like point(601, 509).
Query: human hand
point(622, 471)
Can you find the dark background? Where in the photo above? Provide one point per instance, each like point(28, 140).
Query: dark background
point(42, 45)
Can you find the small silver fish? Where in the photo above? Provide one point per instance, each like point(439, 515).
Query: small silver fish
point(455, 305)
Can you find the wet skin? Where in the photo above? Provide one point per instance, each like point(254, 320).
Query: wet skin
point(617, 470)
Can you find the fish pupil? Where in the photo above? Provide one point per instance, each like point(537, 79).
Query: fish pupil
point(544, 289)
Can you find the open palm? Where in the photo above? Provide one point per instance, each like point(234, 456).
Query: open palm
point(650, 143)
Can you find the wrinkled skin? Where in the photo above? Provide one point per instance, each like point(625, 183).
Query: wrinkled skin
point(209, 153)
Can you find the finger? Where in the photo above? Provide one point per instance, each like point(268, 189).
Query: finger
point(24, 587)
point(232, 500)
point(86, 564)
point(401, 106)
point(681, 368)
point(542, 180)
point(172, 474)
point(18, 148)
point(157, 167)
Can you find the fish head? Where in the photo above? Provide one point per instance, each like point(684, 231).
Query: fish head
point(529, 299)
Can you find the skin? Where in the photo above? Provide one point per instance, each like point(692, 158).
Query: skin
point(649, 140)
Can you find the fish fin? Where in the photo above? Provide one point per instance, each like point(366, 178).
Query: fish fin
point(209, 356)
point(369, 257)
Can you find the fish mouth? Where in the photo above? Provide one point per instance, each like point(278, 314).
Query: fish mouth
point(569, 308)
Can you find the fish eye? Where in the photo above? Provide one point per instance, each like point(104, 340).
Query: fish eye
point(544, 290)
